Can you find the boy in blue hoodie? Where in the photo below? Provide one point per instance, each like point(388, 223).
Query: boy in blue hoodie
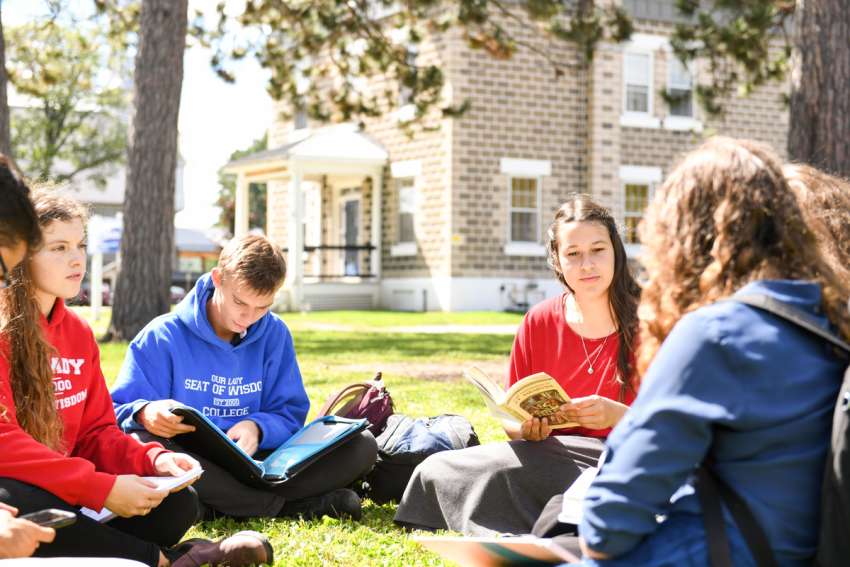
point(224, 353)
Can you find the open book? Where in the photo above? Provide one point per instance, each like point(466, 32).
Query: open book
point(538, 395)
point(161, 482)
point(498, 551)
point(314, 440)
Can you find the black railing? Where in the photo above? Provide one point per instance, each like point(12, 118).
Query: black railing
point(337, 261)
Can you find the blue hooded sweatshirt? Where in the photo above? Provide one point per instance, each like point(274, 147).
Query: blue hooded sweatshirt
point(178, 356)
point(750, 391)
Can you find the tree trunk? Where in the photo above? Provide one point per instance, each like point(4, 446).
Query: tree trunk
point(147, 243)
point(5, 135)
point(820, 106)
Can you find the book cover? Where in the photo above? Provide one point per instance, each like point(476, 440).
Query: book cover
point(498, 551)
point(315, 439)
point(538, 395)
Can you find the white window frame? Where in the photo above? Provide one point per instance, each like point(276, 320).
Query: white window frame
point(526, 169)
point(641, 44)
point(682, 123)
point(637, 175)
point(409, 169)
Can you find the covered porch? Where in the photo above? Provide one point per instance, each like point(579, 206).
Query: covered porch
point(324, 210)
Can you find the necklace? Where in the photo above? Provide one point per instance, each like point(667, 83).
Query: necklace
point(598, 352)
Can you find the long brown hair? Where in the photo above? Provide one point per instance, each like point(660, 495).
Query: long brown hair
point(624, 292)
point(31, 373)
point(723, 218)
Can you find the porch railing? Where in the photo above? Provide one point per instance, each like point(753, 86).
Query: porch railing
point(329, 262)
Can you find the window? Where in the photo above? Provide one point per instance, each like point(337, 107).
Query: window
point(679, 88)
point(406, 209)
point(525, 210)
point(637, 199)
point(300, 119)
point(405, 93)
point(637, 74)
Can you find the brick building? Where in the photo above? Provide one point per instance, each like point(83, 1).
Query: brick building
point(455, 218)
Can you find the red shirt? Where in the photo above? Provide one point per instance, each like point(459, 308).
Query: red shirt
point(95, 448)
point(546, 343)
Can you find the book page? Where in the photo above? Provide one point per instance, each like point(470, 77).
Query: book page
point(572, 506)
point(161, 482)
point(486, 385)
point(538, 395)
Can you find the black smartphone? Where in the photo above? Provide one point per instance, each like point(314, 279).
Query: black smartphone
point(51, 518)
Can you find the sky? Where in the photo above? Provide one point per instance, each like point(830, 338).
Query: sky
point(216, 118)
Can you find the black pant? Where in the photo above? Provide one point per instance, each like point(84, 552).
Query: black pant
point(221, 493)
point(139, 538)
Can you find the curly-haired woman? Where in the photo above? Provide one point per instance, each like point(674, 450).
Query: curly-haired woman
point(731, 384)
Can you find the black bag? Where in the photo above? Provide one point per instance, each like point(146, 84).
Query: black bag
point(406, 442)
point(834, 537)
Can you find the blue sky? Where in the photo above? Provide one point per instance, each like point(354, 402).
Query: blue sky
point(216, 118)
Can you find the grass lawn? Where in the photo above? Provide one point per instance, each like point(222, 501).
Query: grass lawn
point(422, 371)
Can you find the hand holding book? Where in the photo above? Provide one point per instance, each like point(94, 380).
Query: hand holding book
point(537, 396)
point(594, 412)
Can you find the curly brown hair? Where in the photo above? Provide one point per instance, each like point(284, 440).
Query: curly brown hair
point(624, 293)
point(31, 374)
point(825, 202)
point(723, 218)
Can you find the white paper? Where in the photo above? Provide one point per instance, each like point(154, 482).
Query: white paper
point(571, 509)
point(161, 482)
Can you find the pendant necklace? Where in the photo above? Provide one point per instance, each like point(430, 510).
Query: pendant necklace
point(598, 352)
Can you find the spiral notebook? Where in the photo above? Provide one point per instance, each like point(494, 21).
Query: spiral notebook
point(314, 440)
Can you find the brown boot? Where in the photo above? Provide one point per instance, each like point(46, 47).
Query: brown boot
point(240, 549)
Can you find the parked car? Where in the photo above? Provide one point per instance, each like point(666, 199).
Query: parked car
point(83, 297)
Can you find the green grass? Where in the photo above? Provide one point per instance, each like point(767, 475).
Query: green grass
point(422, 373)
point(380, 319)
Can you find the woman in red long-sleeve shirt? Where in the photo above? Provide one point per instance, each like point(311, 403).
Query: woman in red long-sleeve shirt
point(61, 445)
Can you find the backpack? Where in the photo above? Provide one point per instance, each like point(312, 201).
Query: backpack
point(834, 536)
point(369, 400)
point(406, 442)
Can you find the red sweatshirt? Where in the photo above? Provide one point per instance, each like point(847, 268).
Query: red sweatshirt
point(95, 448)
point(545, 343)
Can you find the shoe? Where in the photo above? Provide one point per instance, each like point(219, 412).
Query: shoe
point(241, 549)
point(336, 504)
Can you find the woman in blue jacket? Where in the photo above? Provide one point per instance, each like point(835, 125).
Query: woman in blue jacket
point(732, 384)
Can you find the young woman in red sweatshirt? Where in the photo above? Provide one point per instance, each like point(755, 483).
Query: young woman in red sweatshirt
point(61, 445)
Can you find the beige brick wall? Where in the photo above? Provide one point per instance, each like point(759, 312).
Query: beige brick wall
point(431, 148)
point(520, 109)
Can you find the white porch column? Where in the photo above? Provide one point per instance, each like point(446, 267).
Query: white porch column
point(240, 226)
point(377, 195)
point(295, 241)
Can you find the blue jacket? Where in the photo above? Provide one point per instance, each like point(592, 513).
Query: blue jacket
point(179, 356)
point(745, 388)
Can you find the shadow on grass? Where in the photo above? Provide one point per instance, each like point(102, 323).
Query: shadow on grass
point(407, 345)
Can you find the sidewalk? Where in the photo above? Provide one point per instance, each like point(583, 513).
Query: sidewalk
point(424, 329)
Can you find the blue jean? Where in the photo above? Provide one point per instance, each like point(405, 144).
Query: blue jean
point(679, 542)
